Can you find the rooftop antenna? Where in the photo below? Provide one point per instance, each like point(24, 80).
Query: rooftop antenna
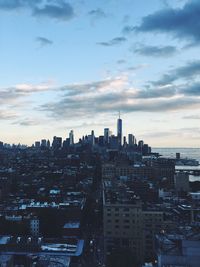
point(119, 114)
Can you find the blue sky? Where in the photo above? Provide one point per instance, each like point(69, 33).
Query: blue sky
point(73, 64)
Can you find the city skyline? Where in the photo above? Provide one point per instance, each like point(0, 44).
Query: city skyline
point(71, 140)
point(72, 66)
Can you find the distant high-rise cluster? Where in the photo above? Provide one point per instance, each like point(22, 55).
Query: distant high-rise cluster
point(107, 140)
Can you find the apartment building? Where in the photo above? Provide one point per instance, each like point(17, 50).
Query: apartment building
point(127, 223)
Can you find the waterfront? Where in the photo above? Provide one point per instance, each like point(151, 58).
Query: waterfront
point(191, 153)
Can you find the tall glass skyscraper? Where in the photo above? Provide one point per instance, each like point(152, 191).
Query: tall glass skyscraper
point(119, 130)
point(71, 137)
point(106, 135)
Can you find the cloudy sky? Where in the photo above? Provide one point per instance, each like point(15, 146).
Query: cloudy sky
point(74, 64)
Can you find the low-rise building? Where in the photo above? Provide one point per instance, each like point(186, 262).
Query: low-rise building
point(181, 182)
point(180, 248)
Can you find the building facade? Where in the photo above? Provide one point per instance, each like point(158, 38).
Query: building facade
point(127, 224)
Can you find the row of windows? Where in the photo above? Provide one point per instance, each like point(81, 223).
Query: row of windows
point(35, 222)
point(125, 226)
point(152, 217)
point(136, 209)
point(153, 214)
point(151, 225)
point(117, 233)
point(124, 215)
point(125, 221)
point(123, 209)
point(134, 215)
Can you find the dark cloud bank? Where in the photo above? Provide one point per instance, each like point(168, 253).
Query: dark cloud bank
point(60, 10)
point(181, 23)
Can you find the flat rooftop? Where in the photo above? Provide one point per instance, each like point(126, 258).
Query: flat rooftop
point(116, 192)
point(10, 245)
point(70, 225)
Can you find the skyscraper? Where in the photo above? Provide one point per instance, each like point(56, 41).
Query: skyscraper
point(119, 131)
point(48, 143)
point(131, 140)
point(106, 135)
point(57, 142)
point(92, 138)
point(43, 143)
point(71, 138)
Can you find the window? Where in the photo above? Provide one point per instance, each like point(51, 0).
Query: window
point(158, 226)
point(148, 225)
point(125, 242)
point(126, 209)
